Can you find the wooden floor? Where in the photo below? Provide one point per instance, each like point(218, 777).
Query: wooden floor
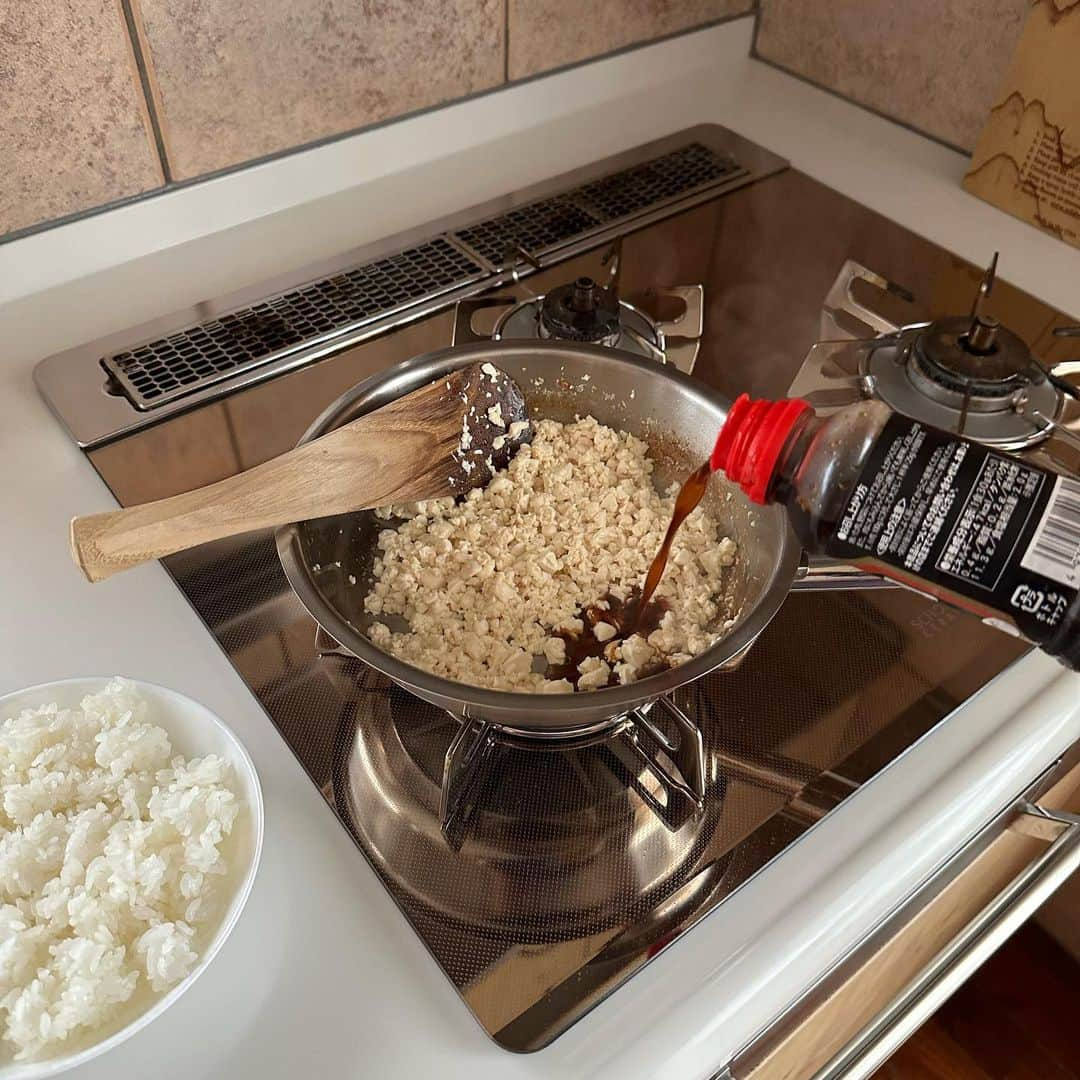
point(1017, 1019)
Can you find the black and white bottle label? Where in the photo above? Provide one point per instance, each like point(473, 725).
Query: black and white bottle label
point(956, 517)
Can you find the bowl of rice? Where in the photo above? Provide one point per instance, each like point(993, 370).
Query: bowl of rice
point(131, 824)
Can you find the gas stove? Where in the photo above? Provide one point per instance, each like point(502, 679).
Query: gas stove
point(542, 874)
point(585, 310)
point(966, 373)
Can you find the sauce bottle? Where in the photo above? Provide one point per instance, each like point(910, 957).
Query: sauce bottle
point(981, 530)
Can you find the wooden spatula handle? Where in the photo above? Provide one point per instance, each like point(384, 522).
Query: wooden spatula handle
point(371, 462)
point(411, 448)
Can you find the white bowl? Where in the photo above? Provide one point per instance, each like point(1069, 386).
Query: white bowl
point(194, 731)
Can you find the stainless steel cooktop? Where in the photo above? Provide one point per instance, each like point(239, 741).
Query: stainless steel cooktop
point(568, 867)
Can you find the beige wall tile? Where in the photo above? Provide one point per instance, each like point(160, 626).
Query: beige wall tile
point(546, 34)
point(934, 64)
point(72, 124)
point(238, 80)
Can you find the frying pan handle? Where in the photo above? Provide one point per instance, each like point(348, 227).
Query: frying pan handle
point(817, 573)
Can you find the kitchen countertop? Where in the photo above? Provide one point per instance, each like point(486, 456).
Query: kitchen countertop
point(322, 970)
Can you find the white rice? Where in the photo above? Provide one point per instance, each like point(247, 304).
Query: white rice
point(109, 851)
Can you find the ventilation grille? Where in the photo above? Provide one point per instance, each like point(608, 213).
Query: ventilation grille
point(536, 228)
point(185, 362)
point(164, 369)
point(657, 181)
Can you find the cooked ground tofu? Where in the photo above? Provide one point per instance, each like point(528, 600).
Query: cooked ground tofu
point(486, 582)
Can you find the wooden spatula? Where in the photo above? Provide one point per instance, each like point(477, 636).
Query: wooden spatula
point(439, 440)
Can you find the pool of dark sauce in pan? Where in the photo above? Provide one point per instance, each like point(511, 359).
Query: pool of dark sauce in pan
point(639, 613)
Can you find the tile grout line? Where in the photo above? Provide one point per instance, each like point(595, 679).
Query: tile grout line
point(506, 41)
point(147, 92)
point(172, 184)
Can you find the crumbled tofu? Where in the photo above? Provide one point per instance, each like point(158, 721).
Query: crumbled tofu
point(550, 562)
point(498, 442)
point(556, 686)
point(726, 550)
point(494, 414)
point(484, 582)
point(504, 590)
point(517, 662)
point(555, 650)
point(490, 370)
point(637, 651)
point(595, 677)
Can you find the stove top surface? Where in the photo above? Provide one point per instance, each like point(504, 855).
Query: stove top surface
point(570, 868)
point(560, 880)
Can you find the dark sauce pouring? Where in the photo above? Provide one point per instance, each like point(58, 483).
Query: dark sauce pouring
point(686, 502)
point(638, 613)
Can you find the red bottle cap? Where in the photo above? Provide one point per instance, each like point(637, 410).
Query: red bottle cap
point(751, 440)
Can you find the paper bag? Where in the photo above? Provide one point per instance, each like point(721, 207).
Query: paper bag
point(1027, 160)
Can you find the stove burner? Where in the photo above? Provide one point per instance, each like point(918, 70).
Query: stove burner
point(567, 807)
point(979, 365)
point(605, 320)
point(656, 751)
point(925, 373)
point(581, 311)
point(657, 748)
point(966, 374)
point(584, 311)
point(427, 734)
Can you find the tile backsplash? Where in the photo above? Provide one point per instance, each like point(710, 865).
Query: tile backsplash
point(547, 34)
point(932, 64)
point(232, 81)
point(248, 78)
point(101, 100)
point(73, 125)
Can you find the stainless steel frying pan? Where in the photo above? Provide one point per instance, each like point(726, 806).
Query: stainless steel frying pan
point(328, 560)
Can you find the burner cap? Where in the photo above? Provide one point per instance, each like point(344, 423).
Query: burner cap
point(581, 311)
point(983, 359)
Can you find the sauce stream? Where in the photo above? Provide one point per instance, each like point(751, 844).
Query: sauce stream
point(638, 613)
point(686, 502)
